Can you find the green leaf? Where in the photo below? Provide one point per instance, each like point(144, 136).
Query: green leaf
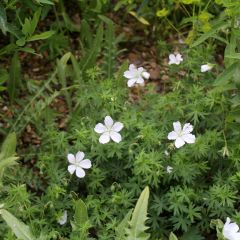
point(173, 236)
point(28, 50)
point(41, 36)
point(139, 18)
point(61, 71)
point(45, 2)
point(233, 56)
point(20, 230)
point(8, 148)
point(21, 41)
point(26, 28)
point(81, 214)
point(76, 69)
point(14, 77)
point(35, 20)
point(3, 20)
point(8, 49)
point(216, 27)
point(7, 154)
point(90, 57)
point(121, 228)
point(226, 75)
point(137, 228)
point(3, 76)
point(85, 34)
point(192, 233)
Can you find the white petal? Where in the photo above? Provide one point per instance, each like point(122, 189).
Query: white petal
point(108, 121)
point(131, 82)
point(132, 67)
point(146, 75)
point(79, 156)
point(187, 128)
point(129, 74)
point(179, 57)
point(140, 80)
point(188, 138)
point(172, 135)
point(63, 219)
point(116, 137)
point(71, 169)
point(117, 127)
point(169, 169)
point(100, 128)
point(104, 138)
point(71, 158)
point(80, 172)
point(179, 142)
point(177, 127)
point(204, 68)
point(172, 58)
point(86, 163)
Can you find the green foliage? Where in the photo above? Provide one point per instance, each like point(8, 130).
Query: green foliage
point(7, 154)
point(19, 228)
point(62, 66)
point(137, 227)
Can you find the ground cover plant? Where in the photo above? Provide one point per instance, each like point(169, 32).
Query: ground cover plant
point(119, 120)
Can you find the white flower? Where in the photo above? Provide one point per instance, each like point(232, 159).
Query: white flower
point(206, 67)
point(63, 219)
point(109, 130)
point(136, 75)
point(78, 163)
point(169, 169)
point(231, 230)
point(181, 135)
point(175, 59)
point(166, 152)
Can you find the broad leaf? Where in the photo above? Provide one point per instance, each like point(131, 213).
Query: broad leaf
point(137, 227)
point(20, 230)
point(81, 214)
point(173, 236)
point(41, 36)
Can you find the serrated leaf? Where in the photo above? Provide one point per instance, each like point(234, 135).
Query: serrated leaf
point(41, 36)
point(137, 227)
point(192, 233)
point(120, 229)
point(81, 214)
point(90, 57)
point(172, 236)
point(20, 230)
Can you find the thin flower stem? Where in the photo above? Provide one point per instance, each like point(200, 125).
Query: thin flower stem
point(169, 22)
